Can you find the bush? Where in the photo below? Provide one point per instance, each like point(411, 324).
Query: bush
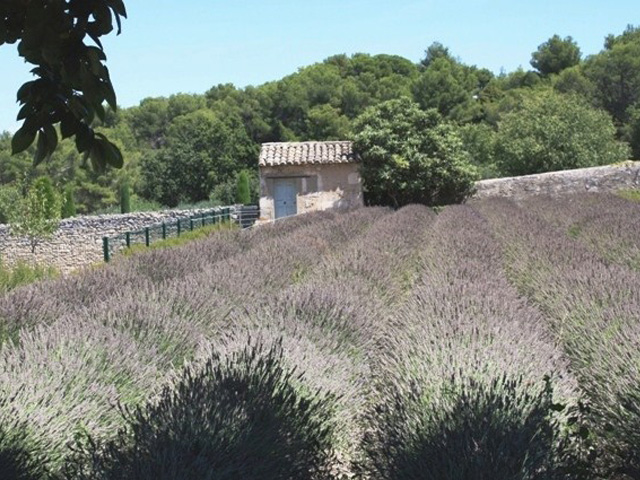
point(487, 431)
point(184, 238)
point(236, 417)
point(549, 131)
point(22, 274)
point(9, 195)
point(630, 194)
point(20, 459)
point(411, 156)
point(20, 456)
point(243, 196)
point(35, 214)
point(125, 197)
point(68, 203)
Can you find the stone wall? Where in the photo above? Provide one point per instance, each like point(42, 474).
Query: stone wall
point(596, 179)
point(78, 241)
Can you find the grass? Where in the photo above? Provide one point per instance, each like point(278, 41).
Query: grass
point(632, 194)
point(184, 238)
point(22, 274)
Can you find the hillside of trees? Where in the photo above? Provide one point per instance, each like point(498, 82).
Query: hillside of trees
point(565, 112)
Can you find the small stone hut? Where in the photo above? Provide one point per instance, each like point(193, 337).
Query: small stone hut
point(299, 177)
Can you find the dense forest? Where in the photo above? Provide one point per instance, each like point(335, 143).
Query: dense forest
point(190, 148)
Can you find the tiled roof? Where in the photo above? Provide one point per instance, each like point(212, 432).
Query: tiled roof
point(306, 153)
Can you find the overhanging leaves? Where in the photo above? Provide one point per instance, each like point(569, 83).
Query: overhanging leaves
point(72, 82)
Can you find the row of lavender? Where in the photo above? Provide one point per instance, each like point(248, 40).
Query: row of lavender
point(74, 350)
point(481, 343)
point(591, 301)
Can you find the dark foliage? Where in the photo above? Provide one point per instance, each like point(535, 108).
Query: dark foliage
point(467, 440)
point(72, 81)
point(20, 458)
point(235, 417)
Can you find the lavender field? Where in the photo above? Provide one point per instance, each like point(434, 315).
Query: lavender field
point(493, 340)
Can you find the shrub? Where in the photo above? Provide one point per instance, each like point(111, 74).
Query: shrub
point(36, 214)
point(184, 238)
point(235, 417)
point(495, 431)
point(20, 457)
point(68, 203)
point(630, 194)
point(125, 197)
point(243, 195)
point(549, 131)
point(411, 156)
point(22, 274)
point(593, 314)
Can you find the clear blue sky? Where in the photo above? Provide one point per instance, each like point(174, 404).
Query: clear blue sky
point(188, 46)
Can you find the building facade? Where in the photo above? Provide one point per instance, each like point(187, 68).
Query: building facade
point(300, 177)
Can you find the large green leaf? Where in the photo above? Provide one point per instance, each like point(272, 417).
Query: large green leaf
point(22, 140)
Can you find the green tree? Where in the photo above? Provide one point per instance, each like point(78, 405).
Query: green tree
point(573, 80)
point(435, 51)
point(633, 132)
point(35, 214)
point(201, 151)
point(479, 139)
point(125, 197)
point(452, 88)
point(615, 72)
point(325, 122)
point(9, 196)
point(555, 55)
point(549, 131)
point(411, 156)
point(68, 203)
point(149, 121)
point(243, 195)
point(72, 82)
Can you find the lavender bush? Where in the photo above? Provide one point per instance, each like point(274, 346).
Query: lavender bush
point(605, 223)
point(592, 307)
point(483, 342)
point(464, 368)
point(233, 417)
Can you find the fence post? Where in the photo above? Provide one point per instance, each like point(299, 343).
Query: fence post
point(127, 239)
point(146, 236)
point(204, 219)
point(191, 223)
point(178, 232)
point(105, 249)
point(164, 230)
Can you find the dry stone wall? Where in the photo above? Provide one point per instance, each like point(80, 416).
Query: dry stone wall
point(78, 241)
point(596, 179)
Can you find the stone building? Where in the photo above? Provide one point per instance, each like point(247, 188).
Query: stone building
point(299, 177)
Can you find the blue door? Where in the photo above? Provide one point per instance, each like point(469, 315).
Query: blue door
point(284, 196)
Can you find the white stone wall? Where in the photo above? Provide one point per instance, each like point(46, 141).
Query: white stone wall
point(78, 241)
point(596, 179)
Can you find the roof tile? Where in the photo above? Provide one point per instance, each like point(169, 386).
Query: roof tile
point(306, 153)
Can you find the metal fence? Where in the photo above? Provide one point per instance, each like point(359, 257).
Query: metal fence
point(243, 215)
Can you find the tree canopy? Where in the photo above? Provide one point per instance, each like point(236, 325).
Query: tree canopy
point(411, 156)
point(192, 147)
point(549, 131)
point(555, 55)
point(61, 38)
